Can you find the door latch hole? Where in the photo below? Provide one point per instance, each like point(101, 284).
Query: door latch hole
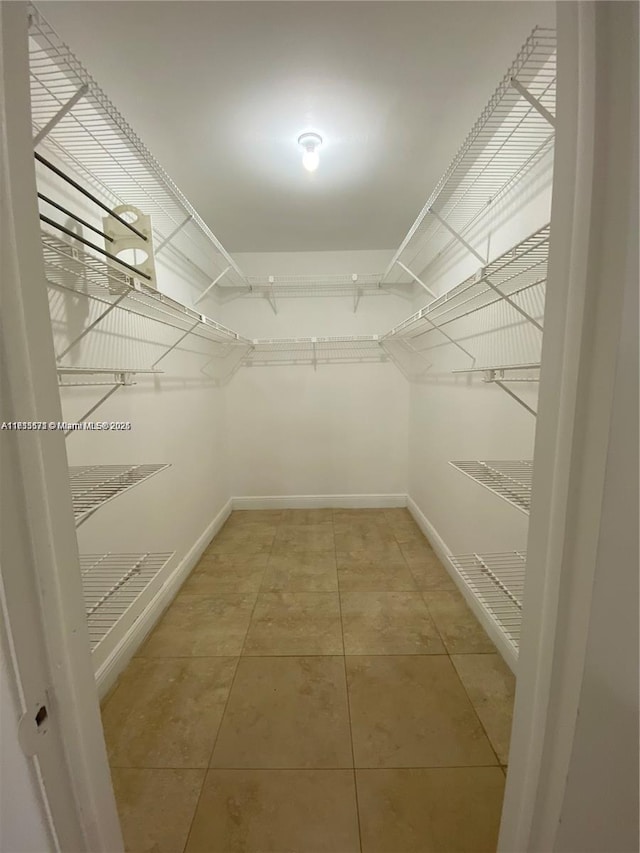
point(42, 715)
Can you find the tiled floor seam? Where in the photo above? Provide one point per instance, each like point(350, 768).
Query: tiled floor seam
point(346, 684)
point(198, 801)
point(466, 692)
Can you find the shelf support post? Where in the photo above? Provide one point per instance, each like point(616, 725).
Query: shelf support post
point(500, 383)
point(212, 285)
point(447, 336)
point(175, 231)
point(535, 103)
point(416, 279)
point(102, 399)
point(513, 304)
point(271, 295)
point(357, 292)
point(173, 346)
point(92, 326)
point(458, 237)
point(73, 100)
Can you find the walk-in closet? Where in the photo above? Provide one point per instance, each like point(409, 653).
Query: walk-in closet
point(295, 260)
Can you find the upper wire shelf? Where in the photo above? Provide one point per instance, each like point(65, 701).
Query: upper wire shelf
point(94, 485)
point(316, 350)
point(513, 133)
point(77, 270)
point(498, 582)
point(111, 583)
point(77, 122)
point(118, 375)
point(521, 268)
point(502, 372)
point(282, 286)
point(509, 479)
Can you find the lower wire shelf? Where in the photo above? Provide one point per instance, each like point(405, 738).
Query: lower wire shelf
point(94, 485)
point(510, 479)
point(112, 583)
point(497, 581)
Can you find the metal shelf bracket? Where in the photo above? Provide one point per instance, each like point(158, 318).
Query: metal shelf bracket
point(510, 301)
point(175, 231)
point(82, 91)
point(179, 341)
point(211, 286)
point(271, 294)
point(535, 103)
point(357, 292)
point(417, 280)
point(91, 326)
point(458, 236)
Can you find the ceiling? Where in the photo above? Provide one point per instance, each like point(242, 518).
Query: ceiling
point(220, 91)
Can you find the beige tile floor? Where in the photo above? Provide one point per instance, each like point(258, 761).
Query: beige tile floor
point(317, 685)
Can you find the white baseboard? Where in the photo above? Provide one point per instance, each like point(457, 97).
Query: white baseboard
point(115, 663)
point(486, 620)
point(319, 501)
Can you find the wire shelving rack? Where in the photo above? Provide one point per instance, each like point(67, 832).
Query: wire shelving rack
point(497, 581)
point(70, 268)
point(316, 350)
point(74, 119)
point(92, 486)
point(108, 376)
point(513, 133)
point(509, 479)
point(112, 583)
point(514, 272)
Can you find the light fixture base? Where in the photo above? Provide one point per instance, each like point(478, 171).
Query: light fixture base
point(310, 141)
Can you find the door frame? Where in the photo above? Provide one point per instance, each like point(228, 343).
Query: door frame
point(44, 615)
point(571, 443)
point(592, 238)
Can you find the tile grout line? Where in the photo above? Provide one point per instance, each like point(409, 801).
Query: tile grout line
point(346, 686)
point(466, 693)
point(226, 704)
point(482, 726)
point(424, 597)
point(457, 674)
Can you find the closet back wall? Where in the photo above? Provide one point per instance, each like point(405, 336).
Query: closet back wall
point(338, 430)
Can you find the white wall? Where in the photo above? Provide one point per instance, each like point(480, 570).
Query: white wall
point(338, 430)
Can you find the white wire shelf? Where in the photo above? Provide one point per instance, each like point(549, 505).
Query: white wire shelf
point(497, 580)
point(112, 583)
point(116, 375)
point(316, 350)
point(509, 479)
point(92, 486)
point(511, 135)
point(504, 375)
point(74, 119)
point(316, 285)
point(516, 271)
point(504, 372)
point(74, 269)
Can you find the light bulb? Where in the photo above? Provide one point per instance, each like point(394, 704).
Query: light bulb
point(310, 160)
point(310, 142)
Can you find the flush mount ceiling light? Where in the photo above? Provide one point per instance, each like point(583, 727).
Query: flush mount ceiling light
point(310, 142)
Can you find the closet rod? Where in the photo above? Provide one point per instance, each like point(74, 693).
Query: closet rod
point(73, 216)
point(89, 195)
point(93, 246)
